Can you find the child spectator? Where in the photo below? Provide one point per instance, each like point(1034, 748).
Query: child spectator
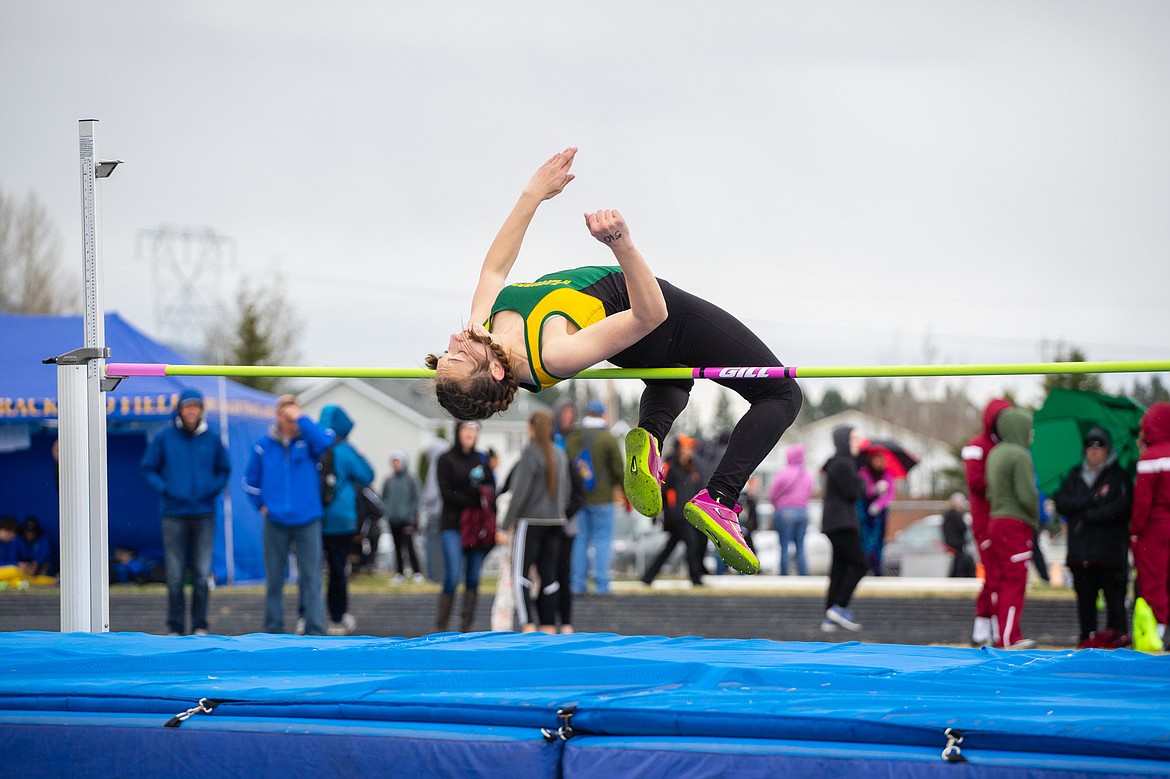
point(32, 548)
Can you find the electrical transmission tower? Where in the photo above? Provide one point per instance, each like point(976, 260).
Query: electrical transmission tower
point(187, 265)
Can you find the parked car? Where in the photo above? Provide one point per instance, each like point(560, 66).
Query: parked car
point(918, 549)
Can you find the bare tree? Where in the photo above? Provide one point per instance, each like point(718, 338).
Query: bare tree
point(263, 330)
point(32, 277)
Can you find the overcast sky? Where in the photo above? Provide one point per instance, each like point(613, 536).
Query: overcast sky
point(861, 182)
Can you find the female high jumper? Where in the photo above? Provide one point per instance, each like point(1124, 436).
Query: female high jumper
point(535, 334)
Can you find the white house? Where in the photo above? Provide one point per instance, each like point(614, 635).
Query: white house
point(391, 414)
point(934, 455)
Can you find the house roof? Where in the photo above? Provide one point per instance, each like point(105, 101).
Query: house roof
point(413, 397)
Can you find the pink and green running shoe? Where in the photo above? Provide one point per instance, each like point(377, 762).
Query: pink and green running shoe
point(643, 473)
point(721, 525)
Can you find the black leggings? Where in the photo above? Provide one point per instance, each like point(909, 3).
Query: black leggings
point(849, 565)
point(404, 548)
point(699, 334)
point(337, 550)
point(536, 547)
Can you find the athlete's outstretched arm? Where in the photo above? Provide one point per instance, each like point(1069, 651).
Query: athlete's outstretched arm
point(593, 344)
point(547, 182)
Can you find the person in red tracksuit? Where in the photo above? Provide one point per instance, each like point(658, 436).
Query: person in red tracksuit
point(975, 463)
point(1149, 528)
point(1015, 515)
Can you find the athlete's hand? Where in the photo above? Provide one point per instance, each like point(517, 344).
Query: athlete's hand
point(553, 176)
point(609, 227)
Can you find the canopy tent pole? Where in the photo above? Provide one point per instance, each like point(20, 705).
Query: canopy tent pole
point(229, 543)
point(85, 585)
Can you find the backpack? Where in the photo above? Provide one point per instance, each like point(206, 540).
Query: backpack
point(584, 464)
point(327, 470)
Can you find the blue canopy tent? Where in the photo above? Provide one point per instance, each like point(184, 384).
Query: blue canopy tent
point(135, 410)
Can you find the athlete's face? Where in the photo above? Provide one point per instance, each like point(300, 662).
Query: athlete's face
point(465, 355)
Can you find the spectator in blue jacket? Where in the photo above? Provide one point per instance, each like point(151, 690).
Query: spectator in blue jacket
point(282, 481)
point(188, 467)
point(351, 473)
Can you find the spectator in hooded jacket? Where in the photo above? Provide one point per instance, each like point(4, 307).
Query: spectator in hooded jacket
point(465, 481)
point(1015, 515)
point(188, 466)
point(843, 488)
point(789, 494)
point(400, 501)
point(1149, 529)
point(353, 473)
point(282, 481)
point(1096, 498)
point(975, 462)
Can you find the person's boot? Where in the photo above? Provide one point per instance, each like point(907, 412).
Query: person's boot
point(468, 614)
point(981, 633)
point(444, 615)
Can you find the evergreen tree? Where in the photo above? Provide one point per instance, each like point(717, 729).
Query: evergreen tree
point(724, 421)
point(1072, 381)
point(831, 403)
point(1149, 394)
point(263, 330)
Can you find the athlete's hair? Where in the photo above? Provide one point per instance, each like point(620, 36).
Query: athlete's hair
point(542, 436)
point(479, 395)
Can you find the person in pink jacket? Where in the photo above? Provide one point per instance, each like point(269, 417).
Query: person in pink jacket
point(1149, 528)
point(791, 488)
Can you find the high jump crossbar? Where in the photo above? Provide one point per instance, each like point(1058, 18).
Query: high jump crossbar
point(128, 369)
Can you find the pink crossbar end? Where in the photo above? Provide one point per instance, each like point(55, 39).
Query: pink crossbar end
point(136, 369)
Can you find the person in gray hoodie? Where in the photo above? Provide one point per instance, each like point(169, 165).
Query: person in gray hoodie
point(400, 502)
point(540, 492)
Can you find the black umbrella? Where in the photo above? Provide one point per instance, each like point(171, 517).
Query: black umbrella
point(899, 460)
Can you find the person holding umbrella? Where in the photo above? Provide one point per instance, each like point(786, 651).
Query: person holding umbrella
point(874, 506)
point(1096, 499)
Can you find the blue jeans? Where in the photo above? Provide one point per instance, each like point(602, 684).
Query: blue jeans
point(596, 534)
point(453, 554)
point(791, 524)
point(278, 539)
point(187, 541)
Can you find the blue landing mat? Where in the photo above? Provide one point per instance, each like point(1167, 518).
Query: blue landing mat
point(631, 703)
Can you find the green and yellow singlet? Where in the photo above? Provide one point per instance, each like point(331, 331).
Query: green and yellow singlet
point(584, 296)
